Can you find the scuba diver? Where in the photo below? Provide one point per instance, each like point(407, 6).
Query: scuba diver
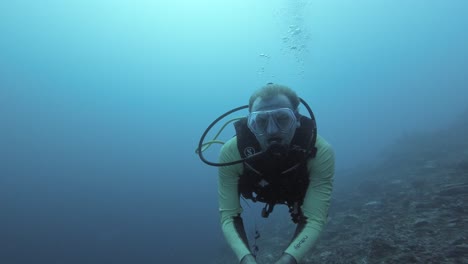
point(276, 158)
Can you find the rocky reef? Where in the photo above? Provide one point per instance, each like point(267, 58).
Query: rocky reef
point(411, 207)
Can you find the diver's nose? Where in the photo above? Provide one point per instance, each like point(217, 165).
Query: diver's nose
point(272, 128)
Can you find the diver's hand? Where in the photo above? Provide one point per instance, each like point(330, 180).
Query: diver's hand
point(286, 259)
point(248, 259)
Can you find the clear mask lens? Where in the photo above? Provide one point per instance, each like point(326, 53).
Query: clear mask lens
point(282, 118)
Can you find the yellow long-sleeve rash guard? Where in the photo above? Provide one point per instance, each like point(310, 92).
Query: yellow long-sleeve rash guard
point(315, 206)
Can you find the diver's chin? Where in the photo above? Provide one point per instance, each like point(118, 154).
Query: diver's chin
point(277, 149)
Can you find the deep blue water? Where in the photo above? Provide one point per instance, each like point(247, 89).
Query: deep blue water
point(102, 104)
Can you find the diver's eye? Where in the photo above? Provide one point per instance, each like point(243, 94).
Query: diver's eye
point(283, 120)
point(262, 121)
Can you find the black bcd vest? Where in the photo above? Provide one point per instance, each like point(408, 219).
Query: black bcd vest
point(274, 180)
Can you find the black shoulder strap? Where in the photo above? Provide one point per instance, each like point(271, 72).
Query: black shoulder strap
point(247, 144)
point(304, 138)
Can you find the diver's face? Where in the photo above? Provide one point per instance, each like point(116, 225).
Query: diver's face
point(273, 134)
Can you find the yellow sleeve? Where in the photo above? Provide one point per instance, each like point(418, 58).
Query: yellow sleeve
point(228, 197)
point(317, 199)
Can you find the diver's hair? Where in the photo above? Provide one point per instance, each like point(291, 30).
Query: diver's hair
point(271, 90)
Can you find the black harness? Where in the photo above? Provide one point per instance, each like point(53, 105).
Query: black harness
point(274, 180)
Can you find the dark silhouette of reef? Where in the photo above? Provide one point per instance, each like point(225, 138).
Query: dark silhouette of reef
point(411, 207)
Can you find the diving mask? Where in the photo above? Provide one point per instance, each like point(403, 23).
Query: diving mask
point(283, 118)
